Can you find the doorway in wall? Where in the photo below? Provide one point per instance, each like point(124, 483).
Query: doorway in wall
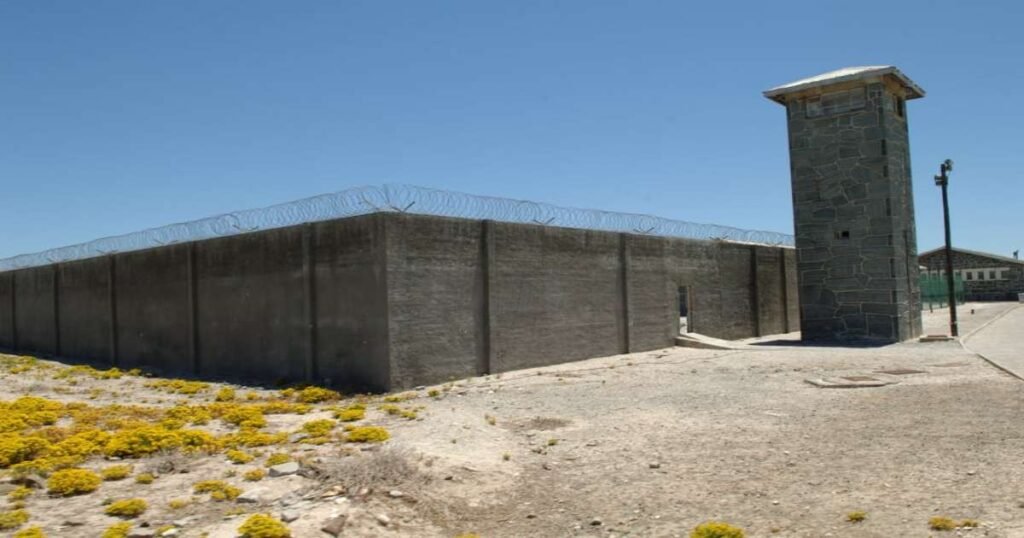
point(684, 310)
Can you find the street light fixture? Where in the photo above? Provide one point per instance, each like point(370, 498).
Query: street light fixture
point(942, 180)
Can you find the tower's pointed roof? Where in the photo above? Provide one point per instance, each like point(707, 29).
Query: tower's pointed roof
point(846, 74)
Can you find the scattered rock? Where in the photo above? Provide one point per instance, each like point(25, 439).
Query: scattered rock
point(170, 532)
point(596, 522)
point(73, 523)
point(654, 465)
point(289, 515)
point(285, 469)
point(335, 525)
point(383, 519)
point(395, 494)
point(141, 533)
point(531, 516)
point(296, 437)
point(252, 496)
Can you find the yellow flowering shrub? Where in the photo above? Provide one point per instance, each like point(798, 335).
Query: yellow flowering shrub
point(31, 532)
point(67, 482)
point(116, 472)
point(716, 529)
point(19, 493)
point(15, 449)
point(278, 458)
point(218, 490)
point(367, 434)
point(350, 414)
point(144, 478)
point(178, 504)
point(254, 475)
point(280, 407)
point(225, 394)
point(13, 519)
point(178, 386)
point(318, 428)
point(191, 414)
point(249, 437)
point(118, 530)
point(263, 526)
point(244, 416)
point(316, 395)
point(239, 457)
point(126, 508)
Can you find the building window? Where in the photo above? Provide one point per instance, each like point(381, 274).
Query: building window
point(835, 103)
point(970, 275)
point(900, 105)
point(981, 275)
point(992, 275)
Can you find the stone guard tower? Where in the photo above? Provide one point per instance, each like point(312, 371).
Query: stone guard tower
point(853, 205)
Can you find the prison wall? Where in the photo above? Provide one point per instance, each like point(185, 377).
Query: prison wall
point(387, 301)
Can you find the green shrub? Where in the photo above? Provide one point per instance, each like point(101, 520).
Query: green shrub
point(856, 516)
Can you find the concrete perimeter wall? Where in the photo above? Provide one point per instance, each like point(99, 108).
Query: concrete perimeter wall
point(389, 301)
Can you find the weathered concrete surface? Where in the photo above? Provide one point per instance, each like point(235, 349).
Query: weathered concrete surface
point(36, 317)
point(85, 310)
point(653, 313)
point(1000, 341)
point(252, 318)
point(154, 310)
point(7, 307)
point(557, 292)
point(435, 299)
point(387, 301)
point(350, 304)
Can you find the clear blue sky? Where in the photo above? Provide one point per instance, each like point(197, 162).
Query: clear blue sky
point(118, 116)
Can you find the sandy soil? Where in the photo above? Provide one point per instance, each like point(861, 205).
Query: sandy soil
point(651, 444)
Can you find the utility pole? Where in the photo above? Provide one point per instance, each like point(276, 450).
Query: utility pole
point(942, 180)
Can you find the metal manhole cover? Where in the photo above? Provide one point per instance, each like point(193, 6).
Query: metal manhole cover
point(901, 371)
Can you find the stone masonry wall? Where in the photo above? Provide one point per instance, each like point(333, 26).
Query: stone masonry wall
point(854, 218)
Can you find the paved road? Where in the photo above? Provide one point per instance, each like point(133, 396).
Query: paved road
point(1002, 341)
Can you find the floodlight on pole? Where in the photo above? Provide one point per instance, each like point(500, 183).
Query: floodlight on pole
point(942, 180)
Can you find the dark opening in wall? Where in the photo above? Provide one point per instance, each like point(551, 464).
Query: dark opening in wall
point(843, 234)
point(684, 310)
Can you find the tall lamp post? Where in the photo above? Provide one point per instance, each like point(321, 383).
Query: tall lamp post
point(942, 180)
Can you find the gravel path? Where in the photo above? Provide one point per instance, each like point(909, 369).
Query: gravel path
point(651, 444)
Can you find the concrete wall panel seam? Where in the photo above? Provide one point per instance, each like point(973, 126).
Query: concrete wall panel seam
point(193, 311)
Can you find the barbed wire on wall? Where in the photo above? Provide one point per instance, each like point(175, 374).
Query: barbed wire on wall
point(393, 198)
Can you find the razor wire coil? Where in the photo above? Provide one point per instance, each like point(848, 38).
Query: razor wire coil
point(393, 199)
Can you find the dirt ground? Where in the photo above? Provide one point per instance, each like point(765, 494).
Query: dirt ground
point(646, 444)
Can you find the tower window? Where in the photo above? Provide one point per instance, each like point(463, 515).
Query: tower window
point(835, 103)
point(900, 105)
